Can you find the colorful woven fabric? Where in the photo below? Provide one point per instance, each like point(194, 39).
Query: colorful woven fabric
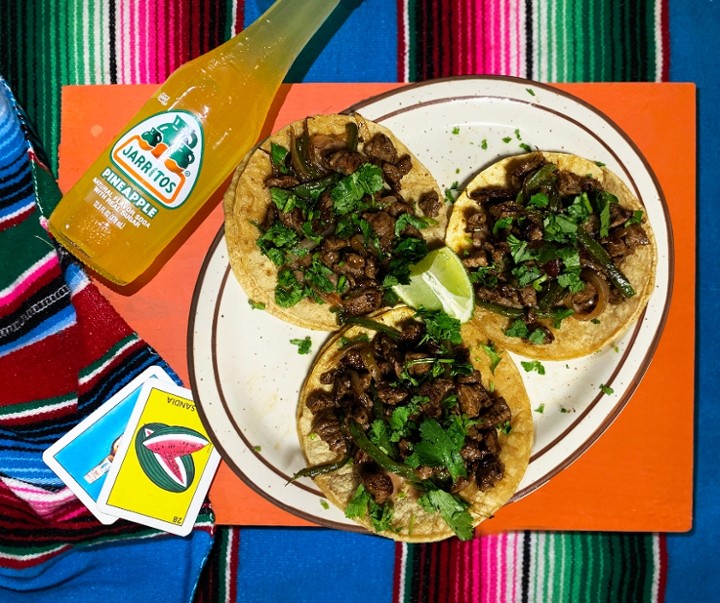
point(532, 566)
point(548, 41)
point(63, 352)
point(45, 45)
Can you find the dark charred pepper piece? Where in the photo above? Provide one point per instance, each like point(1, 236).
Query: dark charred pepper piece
point(598, 253)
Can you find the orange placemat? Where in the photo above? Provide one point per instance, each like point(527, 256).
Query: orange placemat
point(637, 477)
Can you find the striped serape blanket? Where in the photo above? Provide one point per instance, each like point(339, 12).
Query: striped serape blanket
point(63, 349)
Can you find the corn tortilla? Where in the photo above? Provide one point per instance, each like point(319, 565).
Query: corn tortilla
point(416, 524)
point(574, 338)
point(247, 199)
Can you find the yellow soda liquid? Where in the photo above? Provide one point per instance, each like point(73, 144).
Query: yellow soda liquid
point(181, 145)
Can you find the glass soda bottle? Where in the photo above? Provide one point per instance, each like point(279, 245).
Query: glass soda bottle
point(181, 145)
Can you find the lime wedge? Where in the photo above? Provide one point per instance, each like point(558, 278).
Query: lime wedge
point(439, 281)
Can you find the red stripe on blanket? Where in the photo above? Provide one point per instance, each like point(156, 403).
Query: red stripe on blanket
point(41, 371)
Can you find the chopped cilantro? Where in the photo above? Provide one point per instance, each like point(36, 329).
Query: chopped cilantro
point(288, 291)
point(440, 327)
point(440, 448)
point(506, 427)
point(537, 337)
point(406, 252)
point(485, 275)
point(399, 421)
point(452, 509)
point(507, 139)
point(456, 130)
point(525, 147)
point(452, 193)
point(318, 276)
point(636, 218)
point(559, 228)
point(484, 144)
point(502, 224)
point(256, 305)
point(278, 156)
point(534, 365)
point(519, 249)
point(304, 345)
point(539, 200)
point(518, 328)
point(603, 200)
point(276, 240)
point(517, 134)
point(348, 193)
point(380, 435)
point(324, 504)
point(363, 505)
point(606, 389)
point(541, 408)
point(530, 91)
point(405, 220)
point(495, 358)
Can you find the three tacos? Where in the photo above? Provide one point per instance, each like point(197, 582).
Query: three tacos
point(326, 214)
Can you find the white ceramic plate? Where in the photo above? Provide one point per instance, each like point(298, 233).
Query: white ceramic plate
point(246, 373)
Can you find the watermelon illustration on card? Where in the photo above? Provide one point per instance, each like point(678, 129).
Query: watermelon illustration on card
point(165, 464)
point(165, 454)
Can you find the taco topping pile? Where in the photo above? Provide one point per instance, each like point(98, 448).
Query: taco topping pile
point(549, 245)
point(338, 229)
point(409, 403)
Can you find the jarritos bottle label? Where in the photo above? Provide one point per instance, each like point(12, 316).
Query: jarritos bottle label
point(163, 155)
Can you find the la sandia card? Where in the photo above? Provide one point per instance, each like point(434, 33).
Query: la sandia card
point(83, 456)
point(164, 465)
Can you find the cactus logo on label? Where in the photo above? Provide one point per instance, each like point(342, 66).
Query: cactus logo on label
point(164, 453)
point(162, 154)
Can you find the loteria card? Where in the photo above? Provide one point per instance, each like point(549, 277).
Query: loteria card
point(82, 457)
point(165, 462)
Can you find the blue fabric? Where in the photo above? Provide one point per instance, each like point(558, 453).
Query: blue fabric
point(346, 48)
point(301, 565)
point(693, 562)
point(141, 571)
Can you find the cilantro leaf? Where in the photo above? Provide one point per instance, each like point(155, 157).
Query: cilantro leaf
point(636, 218)
point(495, 358)
point(519, 250)
point(399, 421)
point(559, 228)
point(289, 291)
point(440, 327)
point(534, 365)
point(440, 448)
point(539, 200)
point(362, 505)
point(603, 200)
point(452, 509)
point(349, 191)
point(606, 389)
point(380, 435)
point(405, 220)
point(318, 275)
point(278, 156)
point(276, 240)
point(406, 252)
point(304, 345)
